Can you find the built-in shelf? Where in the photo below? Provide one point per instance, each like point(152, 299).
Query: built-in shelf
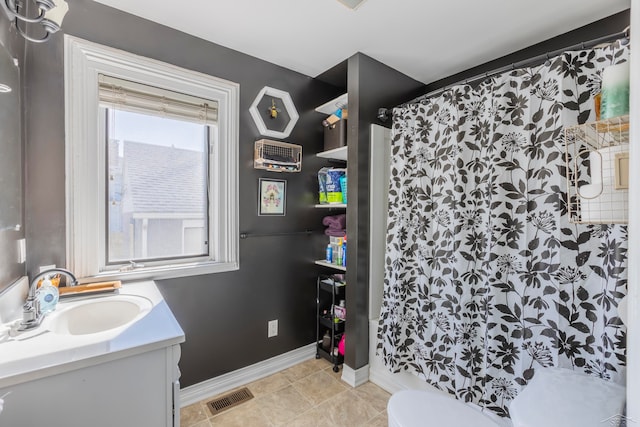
point(331, 206)
point(331, 106)
point(328, 264)
point(339, 153)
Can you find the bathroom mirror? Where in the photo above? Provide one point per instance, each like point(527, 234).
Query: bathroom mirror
point(10, 144)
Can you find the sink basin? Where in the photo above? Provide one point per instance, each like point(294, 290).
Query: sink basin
point(98, 315)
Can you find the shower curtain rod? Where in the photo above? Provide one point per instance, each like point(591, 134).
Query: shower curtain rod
point(385, 113)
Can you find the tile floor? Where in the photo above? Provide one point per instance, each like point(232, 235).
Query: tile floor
point(306, 395)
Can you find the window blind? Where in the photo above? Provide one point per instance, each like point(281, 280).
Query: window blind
point(141, 98)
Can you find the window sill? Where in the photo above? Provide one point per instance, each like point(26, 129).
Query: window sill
point(165, 272)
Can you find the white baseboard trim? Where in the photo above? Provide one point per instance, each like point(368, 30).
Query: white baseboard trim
point(386, 380)
point(214, 386)
point(355, 377)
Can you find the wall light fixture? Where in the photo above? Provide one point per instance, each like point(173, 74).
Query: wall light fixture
point(50, 16)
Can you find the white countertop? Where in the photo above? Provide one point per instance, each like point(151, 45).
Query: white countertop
point(40, 352)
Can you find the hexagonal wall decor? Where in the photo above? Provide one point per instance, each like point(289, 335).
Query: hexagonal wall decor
point(262, 112)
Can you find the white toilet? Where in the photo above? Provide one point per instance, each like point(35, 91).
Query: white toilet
point(555, 397)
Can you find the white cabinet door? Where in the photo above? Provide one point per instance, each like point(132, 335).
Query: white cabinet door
point(135, 391)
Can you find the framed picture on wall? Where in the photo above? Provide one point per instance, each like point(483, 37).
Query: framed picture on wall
point(272, 196)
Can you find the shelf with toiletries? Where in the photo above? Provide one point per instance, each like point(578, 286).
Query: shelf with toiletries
point(332, 194)
point(330, 106)
point(598, 171)
point(336, 250)
point(335, 128)
point(333, 283)
point(339, 153)
point(332, 197)
point(331, 206)
point(328, 321)
point(330, 265)
point(330, 315)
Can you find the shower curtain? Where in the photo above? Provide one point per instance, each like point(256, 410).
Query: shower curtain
point(486, 280)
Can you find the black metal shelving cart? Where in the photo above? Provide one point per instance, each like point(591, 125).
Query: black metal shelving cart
point(329, 327)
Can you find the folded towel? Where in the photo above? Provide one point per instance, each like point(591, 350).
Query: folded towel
point(335, 232)
point(335, 222)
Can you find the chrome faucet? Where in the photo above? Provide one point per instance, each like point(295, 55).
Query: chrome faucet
point(31, 314)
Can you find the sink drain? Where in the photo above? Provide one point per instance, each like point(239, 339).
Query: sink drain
point(229, 400)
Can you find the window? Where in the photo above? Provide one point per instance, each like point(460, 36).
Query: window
point(158, 146)
point(151, 167)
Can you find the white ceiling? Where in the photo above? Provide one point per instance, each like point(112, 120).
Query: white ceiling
point(425, 39)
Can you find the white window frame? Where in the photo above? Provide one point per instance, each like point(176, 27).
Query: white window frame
point(190, 223)
point(85, 155)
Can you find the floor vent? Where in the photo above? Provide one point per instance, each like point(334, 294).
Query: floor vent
point(229, 400)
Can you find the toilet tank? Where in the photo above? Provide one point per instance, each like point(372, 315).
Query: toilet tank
point(558, 397)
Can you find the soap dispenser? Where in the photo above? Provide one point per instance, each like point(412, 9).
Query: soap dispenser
point(47, 296)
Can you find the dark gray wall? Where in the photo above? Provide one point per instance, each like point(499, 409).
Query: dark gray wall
point(371, 85)
point(223, 315)
point(10, 270)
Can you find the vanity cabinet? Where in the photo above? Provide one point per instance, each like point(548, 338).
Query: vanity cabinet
point(121, 376)
point(140, 390)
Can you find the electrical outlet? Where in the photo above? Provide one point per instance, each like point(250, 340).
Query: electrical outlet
point(46, 267)
point(272, 328)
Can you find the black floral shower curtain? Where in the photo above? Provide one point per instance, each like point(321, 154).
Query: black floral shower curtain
point(486, 279)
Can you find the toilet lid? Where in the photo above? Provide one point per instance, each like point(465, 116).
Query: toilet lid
point(558, 397)
point(417, 408)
